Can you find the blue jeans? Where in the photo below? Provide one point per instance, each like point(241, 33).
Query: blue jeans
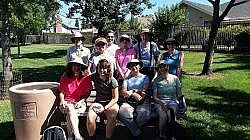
point(143, 115)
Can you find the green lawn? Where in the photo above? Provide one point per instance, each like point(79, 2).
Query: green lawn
point(218, 106)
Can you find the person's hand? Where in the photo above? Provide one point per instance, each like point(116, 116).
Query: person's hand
point(137, 96)
point(164, 106)
point(63, 104)
point(179, 72)
point(98, 109)
point(78, 105)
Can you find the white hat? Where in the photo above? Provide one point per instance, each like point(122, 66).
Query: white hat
point(135, 61)
point(77, 60)
point(77, 35)
point(145, 30)
point(163, 62)
point(101, 39)
point(125, 36)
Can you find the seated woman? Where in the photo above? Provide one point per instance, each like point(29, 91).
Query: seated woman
point(73, 90)
point(135, 85)
point(106, 99)
point(166, 90)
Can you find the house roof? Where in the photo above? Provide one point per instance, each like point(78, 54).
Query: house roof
point(237, 12)
point(201, 7)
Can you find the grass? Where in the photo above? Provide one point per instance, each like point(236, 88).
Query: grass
point(218, 105)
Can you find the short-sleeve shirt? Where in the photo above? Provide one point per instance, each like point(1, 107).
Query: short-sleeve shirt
point(172, 60)
point(73, 88)
point(81, 52)
point(124, 58)
point(145, 53)
point(136, 82)
point(167, 89)
point(110, 52)
point(103, 88)
point(94, 59)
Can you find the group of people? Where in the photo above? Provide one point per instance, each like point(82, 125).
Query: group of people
point(126, 77)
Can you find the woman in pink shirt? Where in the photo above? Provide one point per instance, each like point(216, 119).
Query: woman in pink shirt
point(74, 88)
point(123, 56)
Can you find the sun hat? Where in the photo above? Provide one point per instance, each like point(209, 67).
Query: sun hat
point(124, 36)
point(101, 39)
point(136, 61)
point(145, 30)
point(171, 41)
point(77, 35)
point(163, 62)
point(77, 60)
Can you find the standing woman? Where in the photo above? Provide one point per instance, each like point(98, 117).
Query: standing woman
point(96, 56)
point(123, 56)
point(106, 99)
point(174, 58)
point(73, 91)
point(78, 49)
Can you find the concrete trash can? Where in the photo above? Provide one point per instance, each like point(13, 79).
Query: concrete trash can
point(31, 104)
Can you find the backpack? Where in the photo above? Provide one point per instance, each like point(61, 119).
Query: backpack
point(54, 133)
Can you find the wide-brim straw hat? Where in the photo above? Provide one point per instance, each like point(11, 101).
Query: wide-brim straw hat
point(77, 35)
point(125, 36)
point(135, 61)
point(101, 39)
point(171, 41)
point(77, 60)
point(163, 62)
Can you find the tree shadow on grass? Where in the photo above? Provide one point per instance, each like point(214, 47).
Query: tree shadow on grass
point(242, 60)
point(7, 131)
point(230, 105)
point(37, 55)
point(49, 74)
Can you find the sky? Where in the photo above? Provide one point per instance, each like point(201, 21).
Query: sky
point(163, 3)
point(157, 3)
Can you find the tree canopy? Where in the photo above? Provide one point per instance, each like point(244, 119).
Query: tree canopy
point(99, 12)
point(166, 18)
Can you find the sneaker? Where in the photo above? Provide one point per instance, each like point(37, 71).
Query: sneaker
point(78, 137)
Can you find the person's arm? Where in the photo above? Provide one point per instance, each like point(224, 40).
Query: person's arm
point(114, 99)
point(62, 102)
point(180, 66)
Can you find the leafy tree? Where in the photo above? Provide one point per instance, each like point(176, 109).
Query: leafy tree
point(134, 24)
point(165, 20)
point(21, 17)
point(99, 12)
point(216, 21)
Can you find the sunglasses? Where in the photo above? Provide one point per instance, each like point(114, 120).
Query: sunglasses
point(133, 65)
point(126, 39)
point(162, 66)
point(110, 36)
point(100, 45)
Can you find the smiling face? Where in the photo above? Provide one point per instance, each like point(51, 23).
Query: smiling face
point(134, 67)
point(78, 41)
point(104, 68)
point(124, 42)
point(100, 46)
point(76, 69)
point(163, 68)
point(110, 38)
point(145, 37)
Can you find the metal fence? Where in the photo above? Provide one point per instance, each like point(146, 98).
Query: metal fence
point(17, 79)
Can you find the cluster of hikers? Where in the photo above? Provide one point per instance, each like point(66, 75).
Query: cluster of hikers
point(127, 78)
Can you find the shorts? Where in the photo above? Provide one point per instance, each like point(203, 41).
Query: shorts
point(79, 111)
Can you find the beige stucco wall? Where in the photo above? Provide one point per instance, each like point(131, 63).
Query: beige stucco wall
point(197, 17)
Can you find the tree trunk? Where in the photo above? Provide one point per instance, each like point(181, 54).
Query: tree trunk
point(6, 52)
point(207, 67)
